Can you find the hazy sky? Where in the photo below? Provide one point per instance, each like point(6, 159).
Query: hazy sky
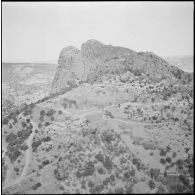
point(37, 31)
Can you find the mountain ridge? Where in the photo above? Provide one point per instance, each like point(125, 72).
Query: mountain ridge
point(96, 59)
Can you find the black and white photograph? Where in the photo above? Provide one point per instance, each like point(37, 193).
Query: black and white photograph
point(97, 97)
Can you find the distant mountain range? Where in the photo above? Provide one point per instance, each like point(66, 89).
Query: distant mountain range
point(183, 62)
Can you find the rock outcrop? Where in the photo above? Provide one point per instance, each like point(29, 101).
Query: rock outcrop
point(96, 59)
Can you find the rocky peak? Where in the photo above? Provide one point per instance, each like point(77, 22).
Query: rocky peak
point(96, 59)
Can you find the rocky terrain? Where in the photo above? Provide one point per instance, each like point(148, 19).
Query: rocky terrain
point(115, 121)
point(96, 59)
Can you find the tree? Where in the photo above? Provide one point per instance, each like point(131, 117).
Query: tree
point(162, 152)
point(165, 173)
point(151, 184)
point(163, 161)
point(5, 121)
point(168, 159)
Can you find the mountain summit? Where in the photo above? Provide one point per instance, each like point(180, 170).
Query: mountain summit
point(96, 59)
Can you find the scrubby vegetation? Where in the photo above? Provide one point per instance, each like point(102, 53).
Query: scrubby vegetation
point(36, 144)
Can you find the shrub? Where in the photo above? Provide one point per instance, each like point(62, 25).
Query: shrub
point(101, 171)
point(162, 152)
point(129, 189)
point(37, 185)
point(23, 147)
point(13, 155)
point(27, 120)
point(40, 125)
point(36, 144)
point(167, 167)
point(46, 162)
point(154, 118)
point(91, 184)
point(161, 190)
point(151, 153)
point(176, 187)
point(168, 159)
point(42, 112)
point(30, 126)
point(107, 163)
point(5, 121)
point(16, 169)
point(47, 139)
point(50, 112)
point(151, 184)
point(89, 169)
point(174, 154)
point(100, 157)
point(168, 149)
point(25, 134)
point(119, 191)
point(162, 161)
point(64, 105)
point(98, 189)
point(180, 163)
point(106, 181)
point(137, 162)
point(27, 111)
point(47, 123)
point(59, 112)
point(184, 180)
point(154, 173)
point(10, 138)
point(107, 136)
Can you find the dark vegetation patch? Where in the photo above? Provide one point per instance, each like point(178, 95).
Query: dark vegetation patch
point(15, 144)
point(154, 173)
point(36, 186)
point(46, 162)
point(163, 152)
point(152, 184)
point(88, 170)
point(162, 161)
point(36, 144)
point(138, 164)
point(46, 139)
point(47, 123)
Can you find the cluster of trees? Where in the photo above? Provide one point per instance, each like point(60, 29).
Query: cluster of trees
point(154, 173)
point(151, 184)
point(16, 143)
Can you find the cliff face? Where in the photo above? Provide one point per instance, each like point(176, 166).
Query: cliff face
point(96, 59)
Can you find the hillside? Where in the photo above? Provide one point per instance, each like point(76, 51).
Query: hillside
point(116, 121)
point(96, 59)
